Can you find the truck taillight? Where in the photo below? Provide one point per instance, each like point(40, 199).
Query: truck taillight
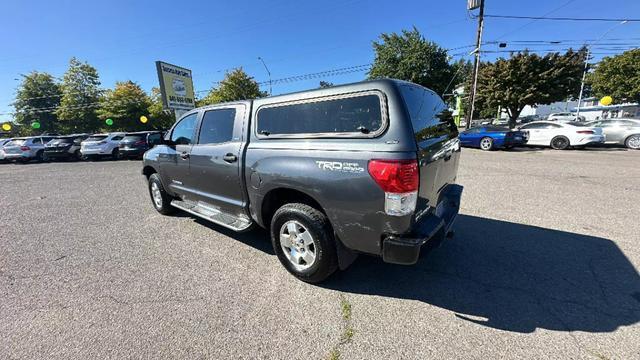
point(399, 180)
point(591, 132)
point(25, 148)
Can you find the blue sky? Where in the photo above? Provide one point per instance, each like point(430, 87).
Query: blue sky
point(123, 39)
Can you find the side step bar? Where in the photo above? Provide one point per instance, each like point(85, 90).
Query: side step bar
point(212, 214)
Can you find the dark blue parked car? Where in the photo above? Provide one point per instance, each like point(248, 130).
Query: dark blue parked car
point(492, 137)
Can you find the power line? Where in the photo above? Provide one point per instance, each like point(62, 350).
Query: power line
point(534, 20)
point(560, 18)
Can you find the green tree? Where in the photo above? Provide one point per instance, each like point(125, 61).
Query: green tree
point(158, 117)
point(80, 96)
point(125, 104)
point(618, 77)
point(37, 98)
point(236, 85)
point(530, 79)
point(409, 56)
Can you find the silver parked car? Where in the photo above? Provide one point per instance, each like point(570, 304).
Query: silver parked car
point(26, 148)
point(620, 131)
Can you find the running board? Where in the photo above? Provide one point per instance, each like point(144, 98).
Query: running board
point(214, 215)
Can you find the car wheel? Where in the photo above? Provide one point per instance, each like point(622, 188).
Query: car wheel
point(77, 156)
point(303, 241)
point(159, 198)
point(486, 143)
point(633, 142)
point(115, 154)
point(40, 156)
point(560, 143)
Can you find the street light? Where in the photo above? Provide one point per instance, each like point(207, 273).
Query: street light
point(268, 72)
point(586, 63)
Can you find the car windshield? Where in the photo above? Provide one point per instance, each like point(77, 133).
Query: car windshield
point(16, 142)
point(96, 138)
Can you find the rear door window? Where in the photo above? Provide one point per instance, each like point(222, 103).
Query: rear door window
point(217, 126)
point(350, 115)
point(97, 138)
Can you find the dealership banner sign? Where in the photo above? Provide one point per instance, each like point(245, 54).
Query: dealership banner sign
point(176, 86)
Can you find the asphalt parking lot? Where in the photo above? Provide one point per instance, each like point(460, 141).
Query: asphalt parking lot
point(543, 265)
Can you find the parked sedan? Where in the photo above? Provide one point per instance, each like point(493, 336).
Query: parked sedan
point(561, 136)
point(620, 131)
point(133, 145)
point(26, 148)
point(492, 137)
point(65, 147)
point(101, 145)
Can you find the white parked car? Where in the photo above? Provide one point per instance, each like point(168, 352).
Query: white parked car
point(2, 143)
point(562, 135)
point(565, 117)
point(26, 148)
point(100, 145)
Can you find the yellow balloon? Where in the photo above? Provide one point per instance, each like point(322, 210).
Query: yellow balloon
point(607, 100)
point(143, 119)
point(6, 127)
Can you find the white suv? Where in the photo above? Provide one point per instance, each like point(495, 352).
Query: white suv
point(99, 145)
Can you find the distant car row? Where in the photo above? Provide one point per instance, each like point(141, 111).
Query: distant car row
point(555, 134)
point(78, 146)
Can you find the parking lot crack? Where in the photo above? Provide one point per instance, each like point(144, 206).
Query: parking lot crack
point(347, 332)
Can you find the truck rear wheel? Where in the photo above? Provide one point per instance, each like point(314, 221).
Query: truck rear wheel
point(303, 241)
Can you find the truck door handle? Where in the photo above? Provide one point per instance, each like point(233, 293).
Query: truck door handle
point(184, 155)
point(230, 158)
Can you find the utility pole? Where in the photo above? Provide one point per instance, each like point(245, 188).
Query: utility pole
point(476, 65)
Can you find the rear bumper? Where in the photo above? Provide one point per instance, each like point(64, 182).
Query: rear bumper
point(23, 155)
point(131, 152)
point(95, 151)
point(429, 232)
point(57, 154)
point(594, 139)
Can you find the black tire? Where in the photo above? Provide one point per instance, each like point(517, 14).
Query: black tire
point(486, 143)
point(317, 224)
point(115, 154)
point(560, 143)
point(40, 156)
point(633, 142)
point(163, 207)
point(77, 156)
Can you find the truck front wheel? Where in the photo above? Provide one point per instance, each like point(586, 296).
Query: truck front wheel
point(159, 197)
point(303, 241)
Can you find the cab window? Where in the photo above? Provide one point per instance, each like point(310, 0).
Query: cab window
point(182, 133)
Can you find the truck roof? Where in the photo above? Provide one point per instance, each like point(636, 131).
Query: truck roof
point(377, 84)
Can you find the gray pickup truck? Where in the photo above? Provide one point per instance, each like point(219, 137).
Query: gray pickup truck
point(368, 167)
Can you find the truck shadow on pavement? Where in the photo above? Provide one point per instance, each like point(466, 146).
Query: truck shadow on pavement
point(512, 277)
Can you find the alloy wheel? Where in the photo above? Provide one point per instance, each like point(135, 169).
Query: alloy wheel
point(298, 245)
point(155, 193)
